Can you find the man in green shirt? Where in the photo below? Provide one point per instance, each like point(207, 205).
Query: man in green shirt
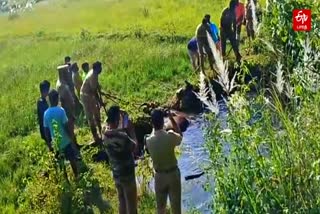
point(161, 145)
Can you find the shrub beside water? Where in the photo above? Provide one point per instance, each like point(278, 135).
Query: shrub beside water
point(263, 167)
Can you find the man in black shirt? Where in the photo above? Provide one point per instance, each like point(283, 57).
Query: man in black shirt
point(120, 149)
point(229, 29)
point(42, 105)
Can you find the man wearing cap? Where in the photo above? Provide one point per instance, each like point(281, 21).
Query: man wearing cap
point(203, 44)
point(161, 145)
point(89, 96)
point(66, 99)
point(120, 149)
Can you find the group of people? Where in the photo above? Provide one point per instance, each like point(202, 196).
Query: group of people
point(56, 122)
point(231, 21)
point(71, 91)
point(81, 92)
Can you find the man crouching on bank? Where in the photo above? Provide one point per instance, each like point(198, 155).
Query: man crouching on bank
point(161, 145)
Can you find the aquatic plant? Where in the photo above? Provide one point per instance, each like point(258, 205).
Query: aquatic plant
point(204, 94)
point(222, 69)
point(254, 16)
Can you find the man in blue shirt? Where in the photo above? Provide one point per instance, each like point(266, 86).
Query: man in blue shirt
point(193, 53)
point(55, 122)
point(215, 31)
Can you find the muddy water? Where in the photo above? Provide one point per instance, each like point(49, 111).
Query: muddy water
point(192, 161)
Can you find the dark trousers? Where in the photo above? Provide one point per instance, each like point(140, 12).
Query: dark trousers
point(250, 30)
point(204, 47)
point(231, 36)
point(127, 194)
point(238, 34)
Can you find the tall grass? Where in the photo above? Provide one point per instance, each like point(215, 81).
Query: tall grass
point(222, 69)
point(254, 16)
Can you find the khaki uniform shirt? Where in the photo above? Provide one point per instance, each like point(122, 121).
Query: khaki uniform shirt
point(161, 146)
point(90, 84)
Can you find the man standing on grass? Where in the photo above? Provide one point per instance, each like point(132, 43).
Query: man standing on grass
point(68, 77)
point(120, 149)
point(193, 53)
point(161, 145)
point(240, 19)
point(203, 44)
point(71, 84)
point(76, 78)
point(85, 69)
point(228, 26)
point(56, 116)
point(42, 106)
point(67, 101)
point(249, 19)
point(89, 95)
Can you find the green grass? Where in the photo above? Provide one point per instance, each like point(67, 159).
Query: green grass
point(68, 17)
point(142, 45)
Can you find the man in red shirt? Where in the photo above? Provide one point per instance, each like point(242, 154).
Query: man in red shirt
point(240, 18)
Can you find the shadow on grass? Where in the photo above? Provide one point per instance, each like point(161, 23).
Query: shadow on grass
point(84, 196)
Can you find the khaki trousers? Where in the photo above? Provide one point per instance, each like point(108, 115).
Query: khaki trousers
point(127, 194)
point(168, 184)
point(92, 113)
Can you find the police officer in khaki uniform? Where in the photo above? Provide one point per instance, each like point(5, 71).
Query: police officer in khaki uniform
point(161, 144)
point(89, 95)
point(66, 99)
point(203, 44)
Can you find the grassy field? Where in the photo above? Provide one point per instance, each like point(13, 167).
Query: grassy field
point(113, 16)
point(142, 45)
